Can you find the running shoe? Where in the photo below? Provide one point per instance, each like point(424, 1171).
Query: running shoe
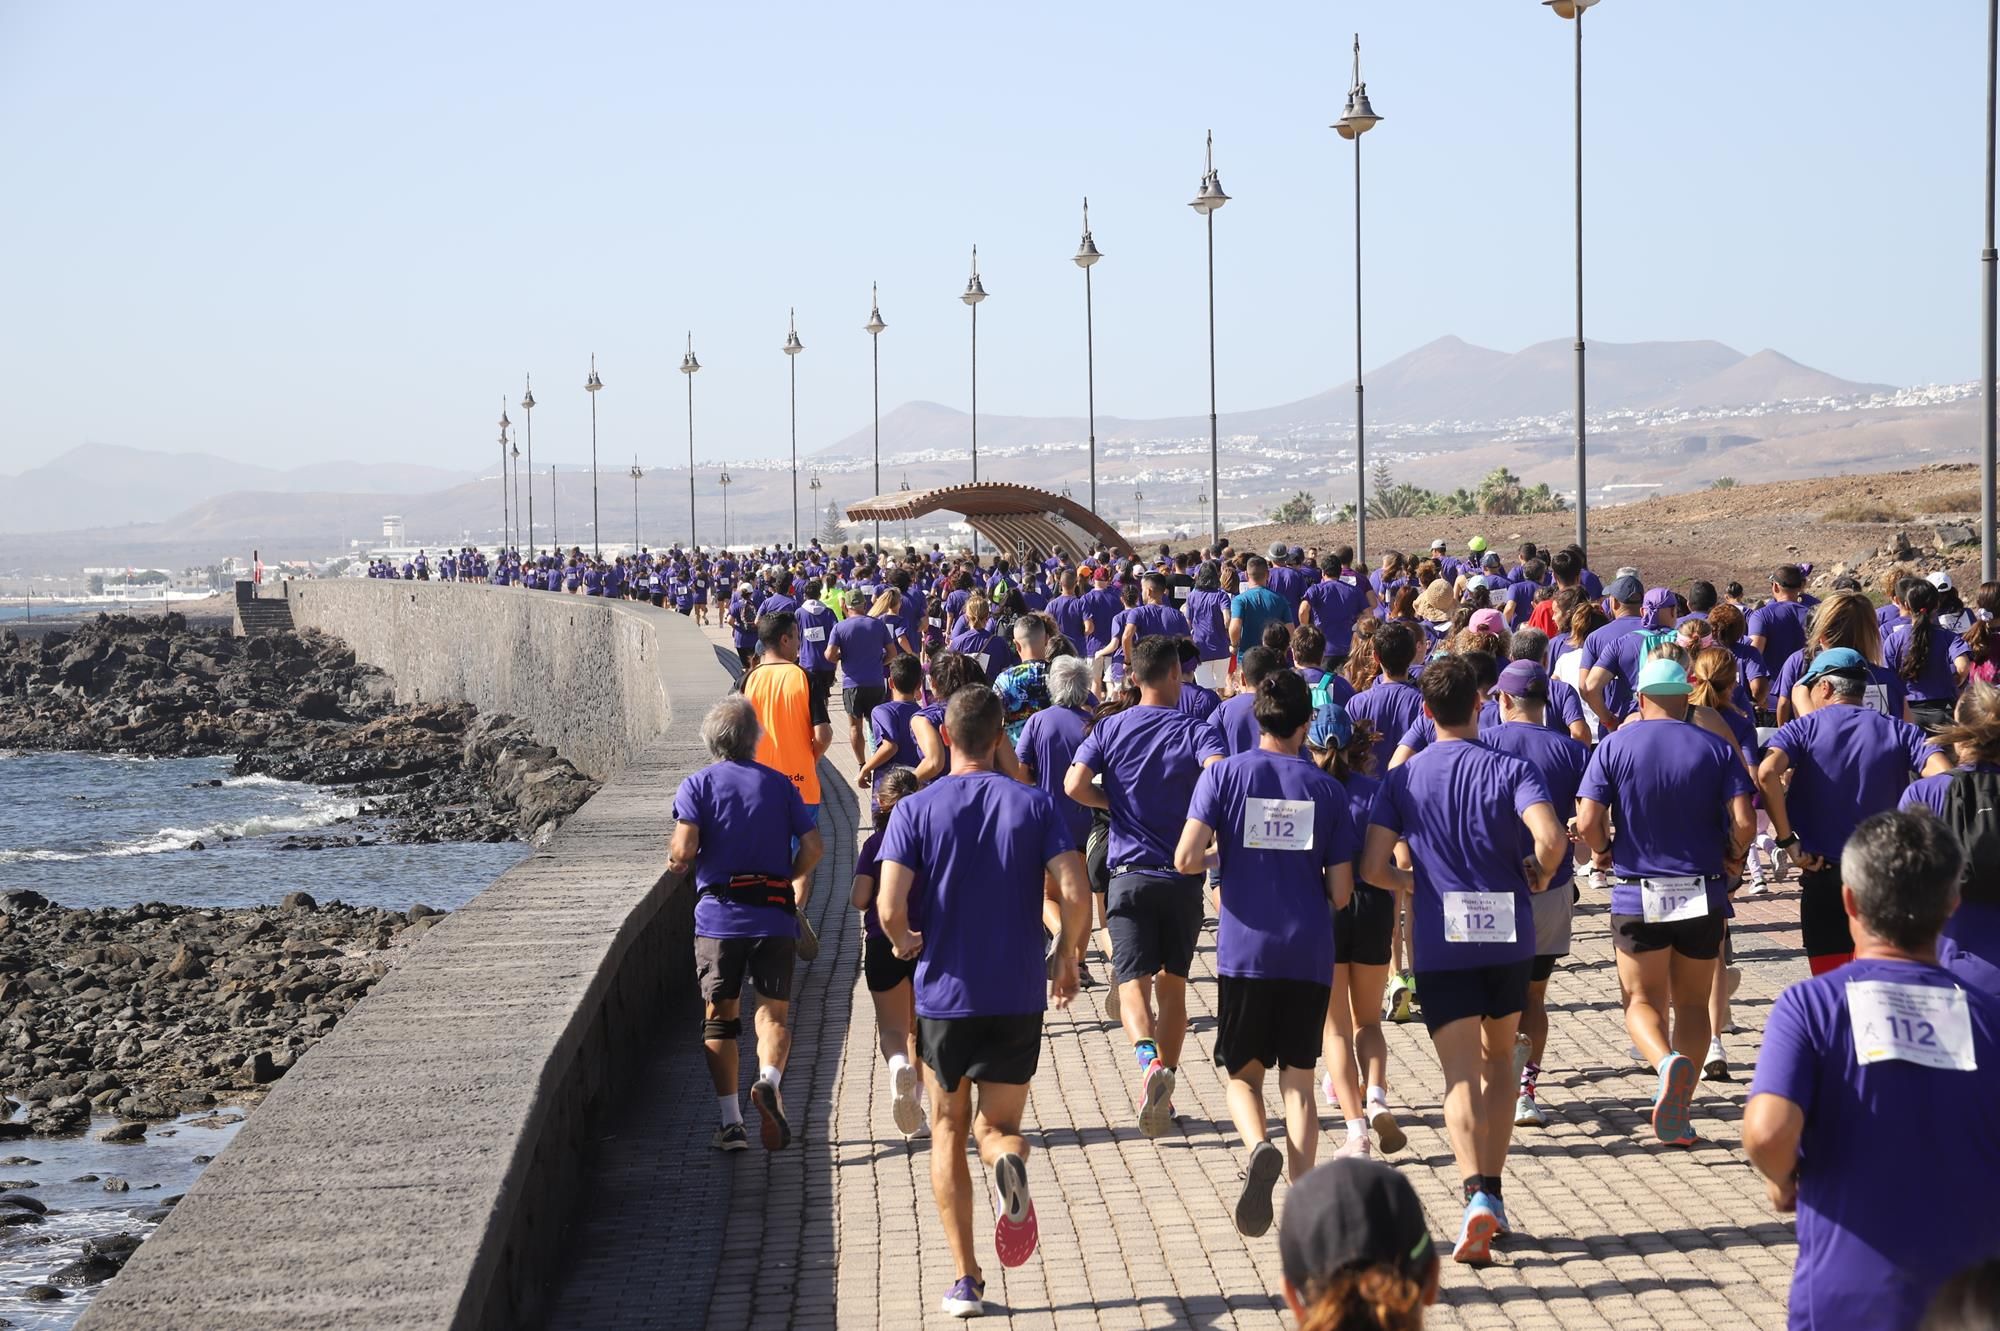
point(1387, 1130)
point(903, 1106)
point(1500, 1215)
point(777, 1133)
point(1156, 1099)
point(1673, 1116)
point(1326, 1089)
point(1358, 1146)
point(730, 1137)
point(1260, 1176)
point(1014, 1228)
point(1084, 979)
point(1401, 992)
point(1754, 885)
point(966, 1299)
point(1528, 1114)
point(1477, 1232)
point(1716, 1068)
point(1524, 1048)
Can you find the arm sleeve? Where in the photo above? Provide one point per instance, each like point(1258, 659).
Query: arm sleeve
point(1788, 1064)
point(1087, 752)
point(688, 801)
point(1790, 740)
point(1208, 743)
point(1529, 789)
point(1055, 832)
point(1597, 782)
point(1387, 811)
point(1206, 806)
point(1916, 744)
point(901, 842)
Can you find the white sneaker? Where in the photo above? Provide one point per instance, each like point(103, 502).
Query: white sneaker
point(1523, 1049)
point(1326, 1089)
point(1528, 1114)
point(1358, 1146)
point(903, 1106)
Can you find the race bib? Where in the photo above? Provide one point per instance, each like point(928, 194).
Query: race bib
point(815, 635)
point(1915, 1023)
point(1875, 697)
point(1277, 824)
point(1350, 579)
point(1479, 917)
point(1671, 900)
point(937, 621)
point(982, 658)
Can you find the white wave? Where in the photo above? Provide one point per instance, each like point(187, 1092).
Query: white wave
point(317, 814)
point(256, 779)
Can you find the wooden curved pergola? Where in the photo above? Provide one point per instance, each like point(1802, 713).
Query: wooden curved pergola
point(1010, 516)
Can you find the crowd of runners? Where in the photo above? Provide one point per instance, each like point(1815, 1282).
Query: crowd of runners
point(1387, 790)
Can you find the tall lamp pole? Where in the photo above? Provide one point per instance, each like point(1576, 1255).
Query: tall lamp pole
point(528, 412)
point(724, 481)
point(1138, 512)
point(1087, 254)
point(906, 521)
point(555, 537)
point(689, 366)
point(1988, 260)
point(1573, 10)
point(975, 291)
point(635, 474)
point(1206, 201)
point(792, 348)
point(514, 455)
point(591, 386)
point(875, 327)
point(1356, 120)
point(505, 520)
point(816, 514)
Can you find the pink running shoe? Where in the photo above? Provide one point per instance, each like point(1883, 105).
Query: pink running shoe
point(1014, 1230)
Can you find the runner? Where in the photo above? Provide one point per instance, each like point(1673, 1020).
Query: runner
point(895, 744)
point(1471, 887)
point(968, 856)
point(887, 975)
point(1964, 798)
point(1613, 654)
point(1390, 704)
point(1871, 1111)
point(1207, 612)
point(1845, 761)
point(1285, 847)
point(861, 646)
point(1336, 602)
point(1523, 697)
point(1151, 756)
point(1047, 743)
point(1235, 719)
point(1681, 801)
point(736, 822)
point(816, 625)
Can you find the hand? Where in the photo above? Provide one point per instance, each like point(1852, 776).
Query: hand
point(1783, 1193)
point(910, 947)
point(1532, 868)
point(865, 780)
point(1570, 831)
point(1806, 860)
point(1064, 986)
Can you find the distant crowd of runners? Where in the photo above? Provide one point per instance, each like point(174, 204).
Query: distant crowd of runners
point(1387, 789)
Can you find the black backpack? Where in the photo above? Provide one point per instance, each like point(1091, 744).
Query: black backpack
point(1972, 811)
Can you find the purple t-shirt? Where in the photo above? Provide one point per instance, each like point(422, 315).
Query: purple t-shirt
point(1560, 760)
point(1782, 626)
point(988, 649)
point(1937, 681)
point(868, 864)
point(1290, 582)
point(1067, 611)
point(1425, 802)
point(1887, 699)
point(1276, 921)
point(1897, 1159)
point(1848, 763)
point(863, 641)
point(1336, 604)
point(1668, 785)
point(816, 625)
point(1360, 791)
point(1337, 688)
point(1198, 702)
point(1150, 758)
point(1617, 647)
point(1207, 614)
point(1047, 747)
point(1522, 597)
point(891, 722)
point(979, 844)
point(1149, 621)
point(747, 815)
point(1236, 721)
point(1392, 708)
point(1099, 608)
point(777, 603)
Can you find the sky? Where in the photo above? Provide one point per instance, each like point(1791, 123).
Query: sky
point(296, 233)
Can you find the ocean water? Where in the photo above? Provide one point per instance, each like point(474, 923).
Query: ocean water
point(89, 830)
point(86, 830)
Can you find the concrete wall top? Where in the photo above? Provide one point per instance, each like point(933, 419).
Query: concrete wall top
point(380, 1185)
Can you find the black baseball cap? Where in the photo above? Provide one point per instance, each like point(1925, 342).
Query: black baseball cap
point(1350, 1213)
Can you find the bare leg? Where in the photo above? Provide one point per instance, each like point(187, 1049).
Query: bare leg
point(895, 1021)
point(774, 1037)
point(1365, 985)
point(1644, 978)
point(1135, 1008)
point(997, 1125)
point(1496, 1104)
point(1535, 1019)
point(721, 1054)
point(1337, 1047)
point(1170, 991)
point(1461, 1059)
point(1245, 1094)
point(951, 1179)
point(1301, 1121)
point(1691, 983)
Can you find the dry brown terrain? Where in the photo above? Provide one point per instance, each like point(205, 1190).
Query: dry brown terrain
point(1737, 533)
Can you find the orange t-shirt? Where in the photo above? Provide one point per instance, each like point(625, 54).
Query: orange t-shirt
point(783, 700)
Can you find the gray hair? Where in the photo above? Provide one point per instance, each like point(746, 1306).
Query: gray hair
point(730, 730)
point(1032, 628)
point(1904, 870)
point(1528, 644)
point(1845, 685)
point(1069, 681)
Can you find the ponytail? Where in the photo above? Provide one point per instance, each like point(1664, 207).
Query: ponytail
point(1921, 600)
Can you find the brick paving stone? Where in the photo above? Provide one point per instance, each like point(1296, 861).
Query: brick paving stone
point(1615, 1231)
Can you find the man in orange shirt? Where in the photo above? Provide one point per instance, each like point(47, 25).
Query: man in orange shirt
point(796, 730)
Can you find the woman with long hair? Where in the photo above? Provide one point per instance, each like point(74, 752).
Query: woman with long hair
point(1713, 675)
point(889, 977)
point(1982, 648)
point(1928, 660)
point(1844, 619)
point(1363, 667)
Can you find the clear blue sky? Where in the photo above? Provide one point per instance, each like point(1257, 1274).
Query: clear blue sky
point(343, 231)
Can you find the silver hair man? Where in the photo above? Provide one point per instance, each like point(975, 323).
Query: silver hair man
point(730, 731)
point(1069, 681)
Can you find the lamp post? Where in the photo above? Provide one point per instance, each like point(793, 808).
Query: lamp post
point(1138, 512)
point(689, 367)
point(1201, 508)
point(514, 455)
point(792, 348)
point(816, 516)
point(1209, 198)
point(975, 291)
point(555, 537)
point(1356, 120)
point(1087, 254)
point(504, 516)
point(906, 522)
point(635, 474)
point(590, 386)
point(1573, 11)
point(875, 327)
point(724, 481)
point(528, 428)
point(1988, 259)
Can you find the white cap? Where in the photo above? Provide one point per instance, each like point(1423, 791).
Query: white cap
point(1941, 580)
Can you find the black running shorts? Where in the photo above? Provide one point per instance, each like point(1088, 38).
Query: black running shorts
point(1822, 916)
point(721, 963)
point(1697, 940)
point(1155, 920)
point(1005, 1050)
point(1484, 992)
point(1277, 1023)
point(1362, 933)
point(882, 968)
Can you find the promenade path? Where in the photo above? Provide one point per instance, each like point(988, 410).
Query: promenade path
point(1615, 1231)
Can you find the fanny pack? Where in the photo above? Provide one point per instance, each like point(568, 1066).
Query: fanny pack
point(754, 889)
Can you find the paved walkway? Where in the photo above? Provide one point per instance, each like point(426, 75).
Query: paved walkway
point(1614, 1231)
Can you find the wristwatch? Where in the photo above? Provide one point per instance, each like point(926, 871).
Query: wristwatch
point(1786, 843)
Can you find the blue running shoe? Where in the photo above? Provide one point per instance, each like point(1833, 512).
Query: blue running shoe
point(1673, 1107)
point(1477, 1232)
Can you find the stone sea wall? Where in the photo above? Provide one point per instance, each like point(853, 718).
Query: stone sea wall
point(416, 1166)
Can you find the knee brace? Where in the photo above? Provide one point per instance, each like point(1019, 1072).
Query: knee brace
point(715, 1029)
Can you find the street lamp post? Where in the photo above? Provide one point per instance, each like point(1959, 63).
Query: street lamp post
point(875, 327)
point(689, 366)
point(635, 473)
point(792, 348)
point(1989, 259)
point(724, 481)
point(505, 519)
point(590, 386)
point(1087, 254)
point(906, 523)
point(1573, 11)
point(816, 515)
point(975, 291)
point(1206, 201)
point(1356, 120)
point(514, 455)
point(1138, 512)
point(555, 537)
point(528, 413)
